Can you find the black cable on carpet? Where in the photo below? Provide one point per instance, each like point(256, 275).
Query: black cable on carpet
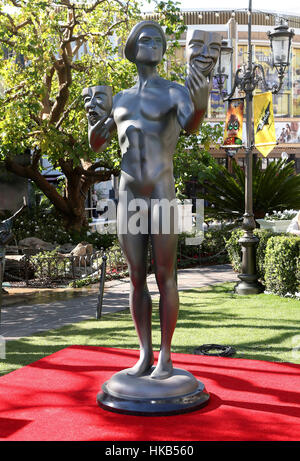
point(224, 351)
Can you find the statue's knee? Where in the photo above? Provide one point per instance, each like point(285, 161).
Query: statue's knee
point(164, 277)
point(138, 278)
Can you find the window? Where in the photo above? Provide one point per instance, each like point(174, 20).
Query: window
point(282, 102)
point(216, 107)
point(286, 103)
point(242, 55)
point(296, 82)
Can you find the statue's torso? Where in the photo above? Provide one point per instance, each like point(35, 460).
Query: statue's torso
point(148, 132)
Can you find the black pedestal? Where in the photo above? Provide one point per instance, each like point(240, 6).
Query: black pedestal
point(145, 396)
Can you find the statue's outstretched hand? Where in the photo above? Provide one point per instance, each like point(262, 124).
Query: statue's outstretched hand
point(198, 86)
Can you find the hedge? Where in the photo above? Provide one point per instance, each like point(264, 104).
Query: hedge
point(282, 265)
point(277, 259)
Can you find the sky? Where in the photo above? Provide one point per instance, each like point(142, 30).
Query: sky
point(290, 6)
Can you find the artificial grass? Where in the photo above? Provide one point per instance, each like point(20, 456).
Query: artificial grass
point(261, 327)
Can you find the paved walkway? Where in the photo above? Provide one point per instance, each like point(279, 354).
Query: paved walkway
point(37, 311)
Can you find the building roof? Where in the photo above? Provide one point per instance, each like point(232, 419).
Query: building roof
point(222, 16)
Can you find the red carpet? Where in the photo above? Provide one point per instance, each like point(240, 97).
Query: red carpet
point(55, 399)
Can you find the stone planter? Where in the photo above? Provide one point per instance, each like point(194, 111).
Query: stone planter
point(278, 225)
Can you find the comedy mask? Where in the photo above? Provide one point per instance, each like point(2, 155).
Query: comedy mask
point(203, 49)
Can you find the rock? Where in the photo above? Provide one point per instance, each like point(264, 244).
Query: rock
point(66, 248)
point(82, 249)
point(82, 253)
point(35, 243)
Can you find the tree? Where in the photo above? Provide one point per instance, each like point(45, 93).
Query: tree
point(43, 72)
point(275, 188)
point(193, 160)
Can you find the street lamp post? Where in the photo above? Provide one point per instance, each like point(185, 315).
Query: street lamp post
point(247, 79)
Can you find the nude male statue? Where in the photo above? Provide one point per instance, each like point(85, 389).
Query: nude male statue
point(149, 118)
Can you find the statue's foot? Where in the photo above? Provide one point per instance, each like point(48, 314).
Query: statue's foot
point(163, 370)
point(142, 366)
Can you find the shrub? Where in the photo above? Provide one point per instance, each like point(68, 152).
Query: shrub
point(234, 249)
point(49, 265)
point(211, 251)
point(264, 235)
point(282, 264)
point(46, 225)
point(215, 240)
point(41, 223)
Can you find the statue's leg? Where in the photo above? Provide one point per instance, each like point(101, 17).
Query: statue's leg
point(135, 248)
point(164, 249)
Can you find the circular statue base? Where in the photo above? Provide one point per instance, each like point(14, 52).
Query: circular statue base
point(145, 396)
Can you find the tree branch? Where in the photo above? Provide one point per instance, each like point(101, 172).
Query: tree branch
point(63, 70)
point(66, 112)
point(94, 6)
point(46, 104)
point(8, 16)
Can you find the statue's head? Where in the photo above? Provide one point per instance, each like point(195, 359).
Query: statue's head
point(146, 43)
point(97, 102)
point(203, 47)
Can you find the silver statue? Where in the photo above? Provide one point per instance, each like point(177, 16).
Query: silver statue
point(149, 118)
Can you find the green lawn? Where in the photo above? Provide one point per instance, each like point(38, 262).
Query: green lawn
point(263, 327)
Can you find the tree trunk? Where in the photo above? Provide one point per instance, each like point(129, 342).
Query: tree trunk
point(71, 207)
point(78, 182)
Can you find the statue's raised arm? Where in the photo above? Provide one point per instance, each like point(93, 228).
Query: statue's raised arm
point(202, 52)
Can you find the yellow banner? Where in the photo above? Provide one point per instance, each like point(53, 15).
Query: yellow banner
point(264, 126)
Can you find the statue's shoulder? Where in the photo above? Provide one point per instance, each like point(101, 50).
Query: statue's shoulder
point(178, 87)
point(117, 96)
point(123, 93)
point(179, 92)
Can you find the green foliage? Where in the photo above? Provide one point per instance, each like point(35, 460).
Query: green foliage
point(41, 223)
point(234, 251)
point(282, 265)
point(46, 225)
point(95, 278)
point(275, 188)
point(211, 251)
point(46, 38)
point(233, 248)
point(49, 265)
point(277, 258)
point(214, 240)
point(49, 52)
point(264, 235)
point(192, 159)
point(40, 33)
